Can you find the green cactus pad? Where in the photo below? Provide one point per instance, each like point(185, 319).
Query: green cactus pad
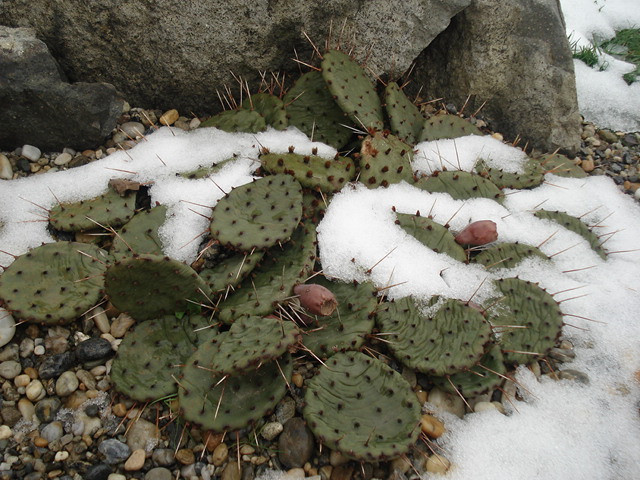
point(524, 304)
point(311, 108)
point(109, 209)
point(311, 171)
point(445, 126)
point(385, 159)
point(347, 327)
point(54, 283)
point(507, 255)
point(450, 341)
point(562, 166)
point(575, 225)
point(231, 271)
point(241, 120)
point(273, 280)
point(220, 404)
point(352, 90)
point(461, 185)
point(249, 342)
point(479, 379)
point(140, 234)
point(435, 236)
point(259, 214)
point(270, 107)
point(149, 286)
point(358, 405)
point(206, 171)
point(314, 206)
point(405, 118)
point(150, 357)
point(532, 177)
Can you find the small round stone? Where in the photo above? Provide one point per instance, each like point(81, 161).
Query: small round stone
point(431, 426)
point(10, 369)
point(93, 349)
point(135, 461)
point(114, 451)
point(66, 384)
point(63, 159)
point(22, 380)
point(185, 456)
point(35, 391)
point(438, 464)
point(271, 430)
point(158, 473)
point(52, 432)
point(220, 455)
point(31, 153)
point(7, 323)
point(5, 432)
point(163, 457)
point(47, 408)
point(61, 456)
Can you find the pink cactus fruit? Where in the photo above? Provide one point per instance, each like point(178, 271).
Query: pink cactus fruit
point(478, 233)
point(316, 299)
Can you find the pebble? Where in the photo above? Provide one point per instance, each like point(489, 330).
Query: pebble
point(31, 153)
point(35, 391)
point(121, 324)
point(10, 369)
point(39, 350)
point(7, 323)
point(143, 435)
point(438, 464)
point(87, 379)
point(66, 384)
point(337, 458)
point(163, 457)
point(295, 443)
point(5, 432)
point(99, 471)
point(431, 426)
point(295, 474)
point(93, 349)
point(27, 346)
point(485, 407)
point(47, 408)
point(56, 344)
point(54, 365)
point(116, 476)
point(169, 117)
point(132, 130)
point(231, 472)
point(158, 473)
point(52, 432)
point(114, 451)
point(285, 410)
point(135, 461)
point(63, 159)
point(185, 456)
point(10, 416)
point(271, 430)
point(26, 408)
point(10, 352)
point(447, 402)
point(576, 375)
point(220, 455)
point(6, 171)
point(100, 319)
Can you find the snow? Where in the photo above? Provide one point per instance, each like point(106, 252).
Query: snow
point(604, 97)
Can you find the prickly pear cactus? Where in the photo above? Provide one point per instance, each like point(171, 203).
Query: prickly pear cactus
point(561, 165)
point(259, 214)
point(352, 90)
point(270, 107)
point(445, 125)
point(348, 326)
point(54, 283)
point(240, 120)
point(435, 236)
point(405, 118)
point(231, 271)
point(109, 209)
point(149, 286)
point(229, 402)
point(532, 176)
point(385, 159)
point(524, 304)
point(206, 171)
point(449, 341)
point(311, 171)
point(346, 400)
point(575, 225)
point(461, 185)
point(140, 234)
point(507, 255)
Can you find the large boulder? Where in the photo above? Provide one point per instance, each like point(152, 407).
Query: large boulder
point(513, 55)
point(40, 108)
point(167, 53)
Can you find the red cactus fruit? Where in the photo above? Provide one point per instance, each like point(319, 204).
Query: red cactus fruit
point(316, 299)
point(478, 233)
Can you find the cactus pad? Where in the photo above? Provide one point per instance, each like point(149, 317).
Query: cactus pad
point(230, 271)
point(140, 234)
point(507, 255)
point(240, 120)
point(575, 225)
point(273, 280)
point(358, 405)
point(259, 214)
point(311, 108)
point(450, 341)
point(352, 90)
point(312, 172)
point(562, 166)
point(347, 327)
point(532, 176)
point(270, 107)
point(385, 159)
point(405, 118)
point(219, 404)
point(149, 286)
point(109, 209)
point(435, 236)
point(54, 283)
point(445, 126)
point(461, 185)
point(525, 304)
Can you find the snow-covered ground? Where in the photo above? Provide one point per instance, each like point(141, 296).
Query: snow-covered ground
point(563, 429)
point(603, 96)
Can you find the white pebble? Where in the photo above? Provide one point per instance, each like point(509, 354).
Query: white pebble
point(61, 456)
point(7, 327)
point(31, 153)
point(39, 350)
point(5, 432)
point(6, 172)
point(22, 380)
point(66, 384)
point(35, 391)
point(63, 159)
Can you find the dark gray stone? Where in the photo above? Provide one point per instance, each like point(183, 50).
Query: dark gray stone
point(171, 54)
point(54, 365)
point(295, 443)
point(99, 471)
point(10, 416)
point(93, 349)
point(114, 451)
point(40, 108)
point(513, 55)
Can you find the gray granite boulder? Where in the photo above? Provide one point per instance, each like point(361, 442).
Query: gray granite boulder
point(40, 108)
point(170, 54)
point(513, 55)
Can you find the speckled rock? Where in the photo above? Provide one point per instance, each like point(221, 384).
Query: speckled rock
point(295, 443)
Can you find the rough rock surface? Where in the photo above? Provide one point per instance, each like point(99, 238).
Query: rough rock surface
point(40, 108)
point(175, 54)
point(514, 55)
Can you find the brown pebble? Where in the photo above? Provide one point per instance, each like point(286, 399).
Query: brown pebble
point(185, 456)
point(119, 410)
point(232, 472)
point(431, 426)
point(32, 372)
point(212, 440)
point(297, 380)
point(422, 396)
point(135, 461)
point(169, 117)
point(40, 442)
point(588, 165)
point(220, 455)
